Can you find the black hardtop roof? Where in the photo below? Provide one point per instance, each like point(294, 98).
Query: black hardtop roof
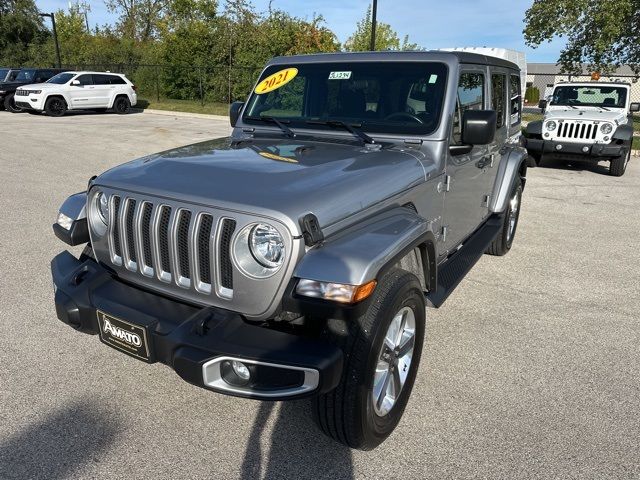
point(388, 56)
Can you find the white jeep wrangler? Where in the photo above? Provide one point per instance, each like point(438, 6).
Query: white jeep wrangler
point(589, 121)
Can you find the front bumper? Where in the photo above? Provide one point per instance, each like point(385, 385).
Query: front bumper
point(594, 150)
point(185, 337)
point(29, 102)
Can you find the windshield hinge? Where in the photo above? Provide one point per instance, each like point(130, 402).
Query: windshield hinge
point(413, 141)
point(311, 230)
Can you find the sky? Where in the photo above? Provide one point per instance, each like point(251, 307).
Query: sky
point(429, 23)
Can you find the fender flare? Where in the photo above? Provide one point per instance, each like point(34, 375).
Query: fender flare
point(534, 128)
point(112, 102)
point(623, 133)
point(510, 169)
point(55, 94)
point(367, 250)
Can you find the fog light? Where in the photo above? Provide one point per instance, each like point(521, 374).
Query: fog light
point(585, 149)
point(606, 139)
point(547, 135)
point(235, 373)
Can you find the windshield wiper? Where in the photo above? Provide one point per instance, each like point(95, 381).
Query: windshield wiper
point(353, 128)
point(603, 108)
point(280, 123)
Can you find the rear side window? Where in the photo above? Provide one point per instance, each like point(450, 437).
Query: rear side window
point(100, 79)
point(516, 98)
point(470, 97)
point(498, 97)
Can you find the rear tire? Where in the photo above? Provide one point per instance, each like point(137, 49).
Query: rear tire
point(618, 165)
point(122, 105)
point(366, 407)
point(55, 107)
point(502, 243)
point(10, 104)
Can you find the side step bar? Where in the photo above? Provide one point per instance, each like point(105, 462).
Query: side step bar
point(453, 270)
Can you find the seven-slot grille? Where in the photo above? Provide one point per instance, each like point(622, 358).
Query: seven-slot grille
point(186, 247)
point(570, 129)
point(22, 93)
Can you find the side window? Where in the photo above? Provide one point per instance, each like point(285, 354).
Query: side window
point(516, 99)
point(498, 96)
point(116, 80)
point(470, 97)
point(85, 80)
point(101, 79)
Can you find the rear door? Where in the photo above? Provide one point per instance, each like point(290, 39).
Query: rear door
point(104, 89)
point(464, 198)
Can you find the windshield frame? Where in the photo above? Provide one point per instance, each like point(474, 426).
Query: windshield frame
point(373, 126)
point(622, 88)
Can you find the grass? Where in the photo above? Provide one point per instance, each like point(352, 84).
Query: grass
point(191, 106)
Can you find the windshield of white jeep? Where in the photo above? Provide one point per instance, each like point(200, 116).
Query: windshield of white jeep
point(389, 97)
point(61, 78)
point(590, 96)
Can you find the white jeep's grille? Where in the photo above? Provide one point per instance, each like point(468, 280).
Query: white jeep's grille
point(181, 246)
point(576, 130)
point(22, 93)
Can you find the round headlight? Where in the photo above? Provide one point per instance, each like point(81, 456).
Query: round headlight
point(551, 126)
point(606, 128)
point(266, 245)
point(102, 207)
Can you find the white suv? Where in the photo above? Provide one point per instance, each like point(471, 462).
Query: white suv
point(78, 91)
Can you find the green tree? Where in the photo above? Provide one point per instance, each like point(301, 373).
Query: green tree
point(601, 34)
point(20, 27)
point(138, 19)
point(386, 37)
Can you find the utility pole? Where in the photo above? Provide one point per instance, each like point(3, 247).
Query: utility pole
point(55, 35)
point(374, 11)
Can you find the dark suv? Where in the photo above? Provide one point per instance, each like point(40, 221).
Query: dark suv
point(26, 76)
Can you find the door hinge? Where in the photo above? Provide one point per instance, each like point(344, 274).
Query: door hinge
point(447, 183)
point(443, 233)
point(485, 200)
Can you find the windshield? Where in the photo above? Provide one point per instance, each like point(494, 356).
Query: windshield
point(11, 76)
point(590, 96)
point(390, 97)
point(61, 78)
point(26, 75)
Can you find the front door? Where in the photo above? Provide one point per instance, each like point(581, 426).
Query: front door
point(83, 95)
point(465, 187)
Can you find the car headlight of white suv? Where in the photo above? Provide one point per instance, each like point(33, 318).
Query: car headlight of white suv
point(606, 128)
point(551, 125)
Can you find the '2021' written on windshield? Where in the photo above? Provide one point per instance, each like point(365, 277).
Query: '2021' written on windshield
point(276, 80)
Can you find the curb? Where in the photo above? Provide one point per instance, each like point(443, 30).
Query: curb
point(185, 114)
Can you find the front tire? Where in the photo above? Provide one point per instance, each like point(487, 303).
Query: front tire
point(534, 159)
point(382, 351)
point(55, 107)
point(502, 243)
point(10, 104)
point(618, 165)
point(122, 105)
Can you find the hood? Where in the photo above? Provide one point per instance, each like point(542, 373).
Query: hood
point(613, 115)
point(39, 86)
point(273, 177)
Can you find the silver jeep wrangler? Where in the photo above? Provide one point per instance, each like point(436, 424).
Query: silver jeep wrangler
point(296, 258)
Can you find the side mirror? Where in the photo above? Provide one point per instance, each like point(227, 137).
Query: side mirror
point(234, 112)
point(75, 82)
point(478, 127)
point(634, 107)
point(542, 104)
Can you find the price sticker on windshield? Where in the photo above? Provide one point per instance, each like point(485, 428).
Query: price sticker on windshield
point(339, 75)
point(276, 80)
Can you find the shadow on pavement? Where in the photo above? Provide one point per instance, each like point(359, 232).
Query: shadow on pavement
point(576, 165)
point(63, 443)
point(297, 449)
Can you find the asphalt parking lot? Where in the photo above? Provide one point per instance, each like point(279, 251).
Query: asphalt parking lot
point(531, 369)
